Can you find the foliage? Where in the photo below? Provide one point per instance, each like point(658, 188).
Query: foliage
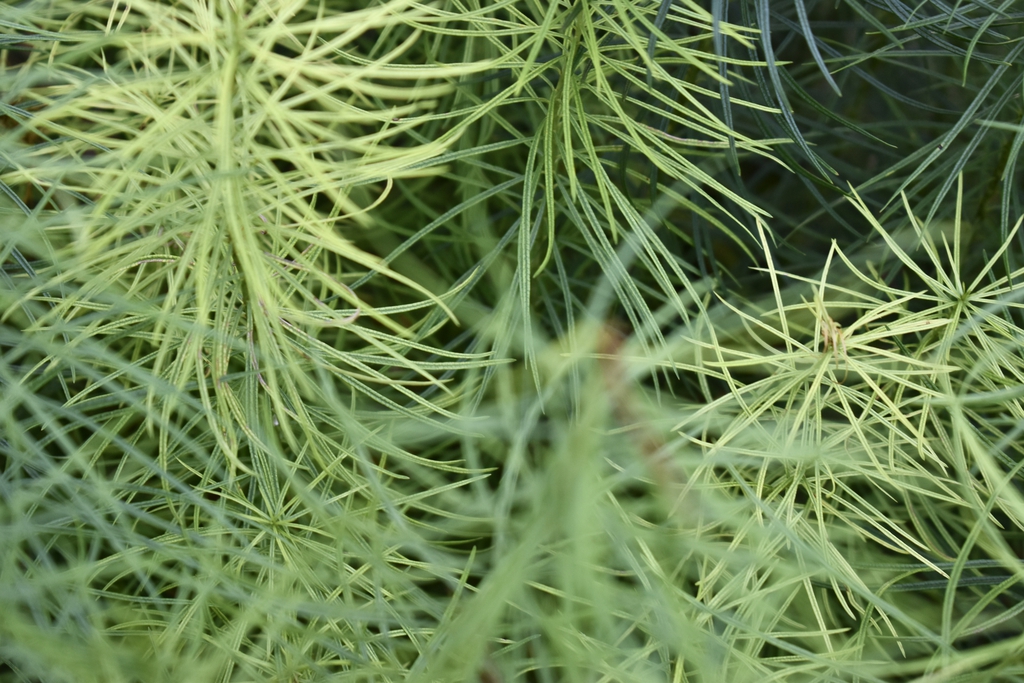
point(623, 341)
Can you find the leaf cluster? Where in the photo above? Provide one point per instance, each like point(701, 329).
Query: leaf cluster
point(618, 341)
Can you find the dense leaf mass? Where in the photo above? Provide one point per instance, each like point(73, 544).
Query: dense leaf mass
point(639, 340)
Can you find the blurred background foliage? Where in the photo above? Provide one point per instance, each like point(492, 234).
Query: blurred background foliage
point(511, 341)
